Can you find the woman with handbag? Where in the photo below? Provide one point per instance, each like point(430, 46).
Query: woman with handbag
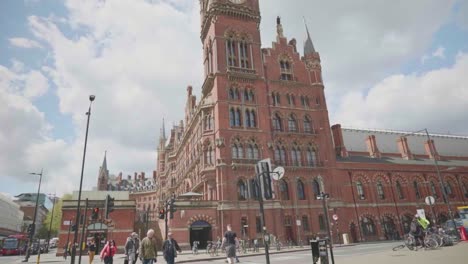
point(108, 252)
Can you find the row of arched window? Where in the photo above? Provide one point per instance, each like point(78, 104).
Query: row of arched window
point(307, 124)
point(238, 94)
point(416, 189)
point(252, 151)
point(235, 118)
point(296, 156)
point(291, 100)
point(246, 190)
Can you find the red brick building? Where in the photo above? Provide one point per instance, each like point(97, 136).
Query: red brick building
point(118, 227)
point(261, 103)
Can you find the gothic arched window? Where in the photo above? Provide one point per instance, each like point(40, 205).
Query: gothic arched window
point(285, 69)
point(311, 155)
point(416, 190)
point(242, 190)
point(277, 123)
point(292, 124)
point(307, 125)
point(316, 188)
point(232, 117)
point(360, 190)
point(433, 189)
point(276, 98)
point(237, 118)
point(231, 52)
point(296, 156)
point(368, 227)
point(300, 190)
point(399, 190)
point(284, 191)
point(244, 54)
point(380, 190)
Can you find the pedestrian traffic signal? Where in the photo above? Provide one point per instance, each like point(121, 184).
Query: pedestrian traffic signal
point(109, 205)
point(95, 214)
point(31, 229)
point(161, 214)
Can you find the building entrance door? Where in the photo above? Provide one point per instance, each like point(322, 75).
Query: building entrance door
point(200, 231)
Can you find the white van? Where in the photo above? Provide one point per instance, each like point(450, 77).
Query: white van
point(53, 243)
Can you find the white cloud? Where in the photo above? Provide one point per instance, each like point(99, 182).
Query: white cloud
point(438, 53)
point(435, 100)
point(24, 43)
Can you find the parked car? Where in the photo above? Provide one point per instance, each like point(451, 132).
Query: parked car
point(450, 228)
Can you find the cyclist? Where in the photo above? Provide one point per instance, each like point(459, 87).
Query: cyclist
point(416, 230)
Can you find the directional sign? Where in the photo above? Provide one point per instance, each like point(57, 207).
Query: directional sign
point(430, 200)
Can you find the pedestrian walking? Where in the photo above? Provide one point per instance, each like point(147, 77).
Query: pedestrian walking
point(148, 250)
point(91, 251)
point(108, 252)
point(229, 242)
point(130, 249)
point(170, 248)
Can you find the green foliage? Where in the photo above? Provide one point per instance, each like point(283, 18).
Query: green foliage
point(42, 232)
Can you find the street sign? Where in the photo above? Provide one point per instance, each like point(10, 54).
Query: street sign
point(430, 200)
point(66, 223)
point(278, 173)
point(421, 213)
point(298, 222)
point(335, 217)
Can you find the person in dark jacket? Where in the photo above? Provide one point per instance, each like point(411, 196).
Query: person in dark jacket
point(170, 248)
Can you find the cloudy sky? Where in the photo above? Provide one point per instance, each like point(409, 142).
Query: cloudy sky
point(397, 65)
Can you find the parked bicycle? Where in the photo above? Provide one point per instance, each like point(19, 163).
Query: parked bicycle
point(195, 247)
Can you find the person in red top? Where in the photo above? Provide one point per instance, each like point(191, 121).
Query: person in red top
point(108, 252)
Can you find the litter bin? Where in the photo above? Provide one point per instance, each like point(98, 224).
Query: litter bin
point(345, 239)
point(319, 251)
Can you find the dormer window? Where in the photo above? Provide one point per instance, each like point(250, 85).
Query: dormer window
point(285, 69)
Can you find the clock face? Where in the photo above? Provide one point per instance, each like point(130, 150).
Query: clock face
point(237, 1)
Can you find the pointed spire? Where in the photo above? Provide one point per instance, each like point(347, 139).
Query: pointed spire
point(163, 130)
point(308, 45)
point(104, 162)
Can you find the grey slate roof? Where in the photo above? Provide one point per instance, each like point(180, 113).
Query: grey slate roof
point(446, 145)
point(395, 160)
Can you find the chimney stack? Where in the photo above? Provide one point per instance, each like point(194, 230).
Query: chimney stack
point(404, 148)
point(143, 176)
point(431, 150)
point(135, 176)
point(372, 147)
point(340, 148)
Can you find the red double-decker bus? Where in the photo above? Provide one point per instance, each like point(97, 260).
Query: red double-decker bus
point(14, 245)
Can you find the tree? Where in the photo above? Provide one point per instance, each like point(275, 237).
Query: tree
point(43, 231)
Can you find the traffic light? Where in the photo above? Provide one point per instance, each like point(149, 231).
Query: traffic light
point(95, 214)
point(109, 205)
point(263, 176)
point(73, 228)
point(31, 229)
point(172, 208)
point(161, 214)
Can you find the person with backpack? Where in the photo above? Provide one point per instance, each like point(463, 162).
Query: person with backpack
point(229, 241)
point(170, 248)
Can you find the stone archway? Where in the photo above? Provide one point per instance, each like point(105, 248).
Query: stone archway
point(201, 231)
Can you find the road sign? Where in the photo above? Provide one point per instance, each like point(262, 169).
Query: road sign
point(298, 222)
point(335, 217)
point(278, 173)
point(421, 213)
point(66, 223)
point(430, 200)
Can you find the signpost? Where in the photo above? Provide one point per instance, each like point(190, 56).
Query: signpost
point(430, 200)
point(264, 188)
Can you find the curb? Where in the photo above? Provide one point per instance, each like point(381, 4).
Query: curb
point(242, 256)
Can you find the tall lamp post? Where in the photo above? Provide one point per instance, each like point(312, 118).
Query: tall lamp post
point(33, 225)
point(73, 254)
point(441, 181)
point(324, 196)
point(54, 199)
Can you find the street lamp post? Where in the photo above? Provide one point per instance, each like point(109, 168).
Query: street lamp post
point(33, 225)
point(51, 220)
point(441, 181)
point(91, 99)
point(323, 196)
